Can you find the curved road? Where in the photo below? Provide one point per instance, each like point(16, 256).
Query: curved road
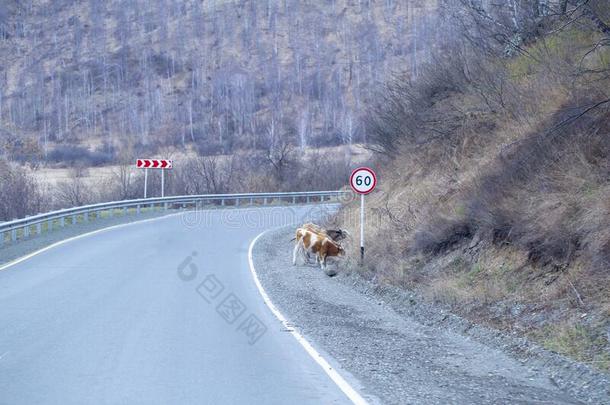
point(158, 311)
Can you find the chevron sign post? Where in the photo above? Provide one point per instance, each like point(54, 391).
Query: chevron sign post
point(146, 164)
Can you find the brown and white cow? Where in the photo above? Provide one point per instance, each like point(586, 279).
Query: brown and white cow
point(322, 246)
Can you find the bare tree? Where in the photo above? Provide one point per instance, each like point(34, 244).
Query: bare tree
point(280, 156)
point(73, 192)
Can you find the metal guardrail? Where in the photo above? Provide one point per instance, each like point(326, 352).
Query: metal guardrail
point(25, 227)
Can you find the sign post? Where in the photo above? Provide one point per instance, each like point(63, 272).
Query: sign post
point(163, 164)
point(145, 181)
point(363, 181)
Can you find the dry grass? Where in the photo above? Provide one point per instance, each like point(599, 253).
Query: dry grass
point(577, 341)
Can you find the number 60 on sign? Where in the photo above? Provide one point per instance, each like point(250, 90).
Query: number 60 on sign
point(363, 180)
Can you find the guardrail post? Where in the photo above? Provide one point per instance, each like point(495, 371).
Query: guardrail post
point(237, 202)
point(294, 199)
point(165, 206)
point(86, 217)
point(39, 228)
point(124, 211)
point(138, 209)
point(111, 212)
point(26, 231)
point(307, 199)
point(62, 222)
point(73, 219)
point(222, 201)
point(1, 238)
point(14, 235)
point(251, 201)
point(265, 201)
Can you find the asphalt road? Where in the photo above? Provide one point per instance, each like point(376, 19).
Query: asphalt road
point(160, 311)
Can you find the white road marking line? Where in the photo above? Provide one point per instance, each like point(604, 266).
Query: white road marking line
point(61, 242)
point(347, 389)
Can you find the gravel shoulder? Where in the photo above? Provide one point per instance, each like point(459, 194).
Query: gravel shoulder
point(404, 351)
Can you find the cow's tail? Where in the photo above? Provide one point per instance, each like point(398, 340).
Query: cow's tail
point(293, 239)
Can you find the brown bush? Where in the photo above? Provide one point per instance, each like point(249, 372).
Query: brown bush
point(21, 195)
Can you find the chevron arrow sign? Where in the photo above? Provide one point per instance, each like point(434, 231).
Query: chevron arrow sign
point(153, 164)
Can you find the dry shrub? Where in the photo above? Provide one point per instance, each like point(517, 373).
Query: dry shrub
point(21, 195)
point(406, 113)
point(546, 194)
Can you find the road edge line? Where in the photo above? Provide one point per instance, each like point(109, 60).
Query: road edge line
point(72, 238)
point(334, 375)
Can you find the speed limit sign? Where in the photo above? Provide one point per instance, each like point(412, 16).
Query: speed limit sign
point(363, 180)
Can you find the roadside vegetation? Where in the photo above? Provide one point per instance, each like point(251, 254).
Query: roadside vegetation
point(288, 168)
point(495, 174)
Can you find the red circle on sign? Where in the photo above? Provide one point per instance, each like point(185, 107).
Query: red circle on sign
point(369, 188)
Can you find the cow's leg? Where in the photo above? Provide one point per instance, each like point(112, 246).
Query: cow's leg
point(323, 262)
point(306, 256)
point(297, 247)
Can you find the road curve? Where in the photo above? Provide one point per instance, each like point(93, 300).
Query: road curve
point(159, 311)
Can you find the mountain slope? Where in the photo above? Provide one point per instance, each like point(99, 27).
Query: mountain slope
point(224, 75)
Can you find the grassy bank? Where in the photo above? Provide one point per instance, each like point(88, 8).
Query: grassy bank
point(494, 195)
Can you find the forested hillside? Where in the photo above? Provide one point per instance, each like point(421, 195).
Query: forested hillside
point(218, 75)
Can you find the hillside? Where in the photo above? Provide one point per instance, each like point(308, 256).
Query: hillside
point(494, 172)
point(218, 76)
